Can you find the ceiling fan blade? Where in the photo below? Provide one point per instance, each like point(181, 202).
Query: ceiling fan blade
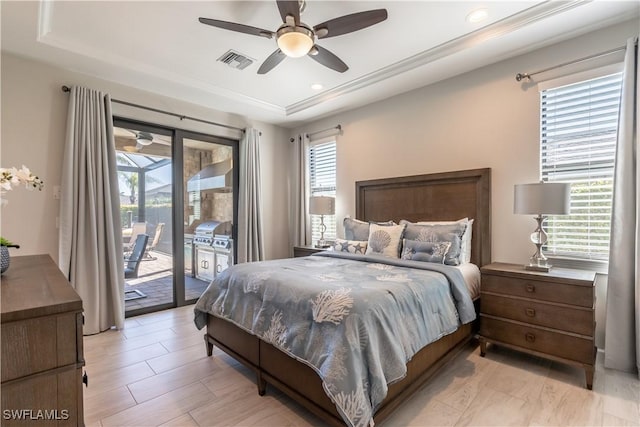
point(123, 133)
point(246, 29)
point(289, 7)
point(328, 59)
point(349, 23)
point(274, 59)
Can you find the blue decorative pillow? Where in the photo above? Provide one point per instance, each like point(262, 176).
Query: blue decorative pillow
point(435, 233)
point(465, 249)
point(425, 251)
point(385, 240)
point(354, 229)
point(351, 246)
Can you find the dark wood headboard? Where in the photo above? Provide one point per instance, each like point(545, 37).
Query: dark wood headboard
point(446, 196)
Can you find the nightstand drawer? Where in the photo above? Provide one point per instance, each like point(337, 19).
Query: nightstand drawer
point(571, 319)
point(538, 339)
point(544, 291)
point(300, 251)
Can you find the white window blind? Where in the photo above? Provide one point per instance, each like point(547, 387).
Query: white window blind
point(322, 182)
point(578, 131)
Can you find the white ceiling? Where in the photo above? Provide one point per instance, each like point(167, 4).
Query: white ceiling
point(161, 47)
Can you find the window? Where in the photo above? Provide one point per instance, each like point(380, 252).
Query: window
point(322, 182)
point(578, 131)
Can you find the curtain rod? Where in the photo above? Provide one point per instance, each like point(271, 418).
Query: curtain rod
point(155, 110)
point(338, 128)
point(521, 76)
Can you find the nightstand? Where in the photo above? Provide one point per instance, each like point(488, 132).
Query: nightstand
point(547, 314)
point(299, 251)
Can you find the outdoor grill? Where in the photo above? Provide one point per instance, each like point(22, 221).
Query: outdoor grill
point(205, 232)
point(210, 259)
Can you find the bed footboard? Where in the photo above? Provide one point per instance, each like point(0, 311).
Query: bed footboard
point(302, 384)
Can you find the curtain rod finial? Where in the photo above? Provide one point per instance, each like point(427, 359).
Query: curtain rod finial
point(521, 76)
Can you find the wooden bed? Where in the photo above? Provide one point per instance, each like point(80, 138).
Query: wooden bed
point(440, 196)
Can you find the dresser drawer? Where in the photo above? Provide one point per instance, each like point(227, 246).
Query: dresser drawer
point(565, 318)
point(39, 344)
point(54, 393)
point(544, 291)
point(537, 339)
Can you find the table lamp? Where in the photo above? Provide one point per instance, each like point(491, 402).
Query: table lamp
point(541, 199)
point(322, 205)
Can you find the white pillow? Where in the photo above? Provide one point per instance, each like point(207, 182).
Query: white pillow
point(465, 248)
point(385, 239)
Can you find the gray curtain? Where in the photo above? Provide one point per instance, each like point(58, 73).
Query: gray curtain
point(90, 239)
point(622, 335)
point(300, 230)
point(250, 240)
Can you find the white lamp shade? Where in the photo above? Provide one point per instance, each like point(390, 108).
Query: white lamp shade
point(322, 205)
point(544, 198)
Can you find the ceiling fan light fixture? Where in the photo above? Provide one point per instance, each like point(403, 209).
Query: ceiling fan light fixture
point(144, 138)
point(295, 42)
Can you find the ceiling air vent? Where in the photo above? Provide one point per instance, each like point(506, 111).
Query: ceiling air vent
point(236, 60)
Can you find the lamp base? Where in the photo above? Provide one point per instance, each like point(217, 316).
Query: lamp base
point(322, 245)
point(535, 267)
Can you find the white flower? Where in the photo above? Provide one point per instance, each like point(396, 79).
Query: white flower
point(12, 176)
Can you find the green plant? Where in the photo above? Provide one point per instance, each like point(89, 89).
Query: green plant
point(7, 243)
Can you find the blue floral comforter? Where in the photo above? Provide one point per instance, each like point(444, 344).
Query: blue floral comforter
point(356, 320)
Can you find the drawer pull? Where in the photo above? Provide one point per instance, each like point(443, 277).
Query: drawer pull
point(85, 379)
point(529, 337)
point(531, 288)
point(530, 312)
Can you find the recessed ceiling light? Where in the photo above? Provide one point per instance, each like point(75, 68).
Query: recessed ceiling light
point(477, 15)
point(317, 86)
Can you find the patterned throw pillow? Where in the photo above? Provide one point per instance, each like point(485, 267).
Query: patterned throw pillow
point(354, 229)
point(425, 251)
point(465, 247)
point(385, 240)
point(439, 233)
point(351, 246)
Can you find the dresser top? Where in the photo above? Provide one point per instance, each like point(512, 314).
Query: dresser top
point(34, 286)
point(566, 275)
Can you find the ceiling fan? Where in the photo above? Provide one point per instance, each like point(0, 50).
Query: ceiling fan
point(296, 39)
point(142, 139)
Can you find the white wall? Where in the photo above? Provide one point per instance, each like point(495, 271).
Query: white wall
point(33, 118)
point(479, 119)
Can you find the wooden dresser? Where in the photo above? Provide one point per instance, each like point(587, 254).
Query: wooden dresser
point(546, 314)
point(42, 360)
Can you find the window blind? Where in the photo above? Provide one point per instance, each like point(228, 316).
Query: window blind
point(322, 182)
point(579, 124)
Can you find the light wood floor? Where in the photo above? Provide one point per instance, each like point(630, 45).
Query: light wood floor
point(155, 372)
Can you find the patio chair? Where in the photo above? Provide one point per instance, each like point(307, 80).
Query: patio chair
point(136, 229)
point(155, 241)
point(133, 262)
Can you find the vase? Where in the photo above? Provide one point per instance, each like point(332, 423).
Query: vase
point(5, 259)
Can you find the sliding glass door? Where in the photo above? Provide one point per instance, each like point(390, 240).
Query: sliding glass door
point(209, 208)
point(178, 196)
